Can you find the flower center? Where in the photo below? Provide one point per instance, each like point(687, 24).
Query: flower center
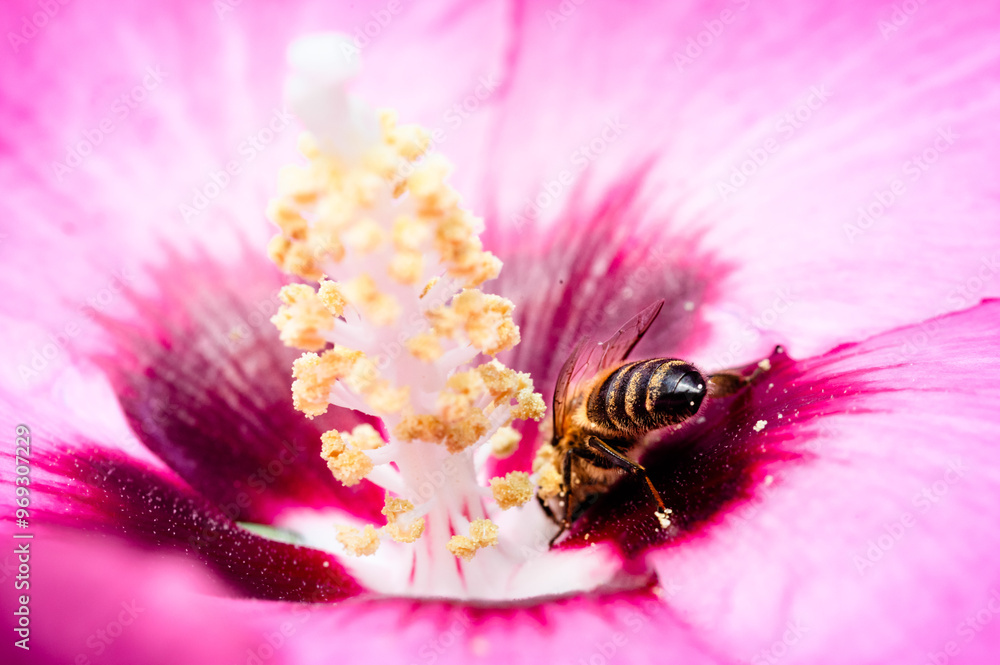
point(397, 328)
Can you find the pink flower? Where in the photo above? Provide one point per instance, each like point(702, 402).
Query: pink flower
point(814, 177)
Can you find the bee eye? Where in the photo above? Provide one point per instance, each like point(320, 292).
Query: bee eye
point(683, 394)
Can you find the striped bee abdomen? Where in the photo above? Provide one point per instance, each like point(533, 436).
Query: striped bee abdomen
point(646, 395)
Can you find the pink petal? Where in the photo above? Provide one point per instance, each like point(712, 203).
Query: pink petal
point(798, 279)
point(88, 488)
point(94, 601)
point(205, 384)
point(880, 545)
point(211, 82)
point(630, 627)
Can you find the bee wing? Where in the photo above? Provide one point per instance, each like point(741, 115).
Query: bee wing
point(563, 383)
point(616, 349)
point(590, 358)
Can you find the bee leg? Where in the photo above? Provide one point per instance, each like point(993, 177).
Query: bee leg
point(729, 382)
point(548, 511)
point(567, 496)
point(625, 463)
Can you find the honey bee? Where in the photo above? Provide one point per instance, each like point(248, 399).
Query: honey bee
point(604, 407)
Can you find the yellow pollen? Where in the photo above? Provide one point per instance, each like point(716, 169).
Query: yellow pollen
point(358, 542)
point(430, 285)
point(505, 384)
point(425, 346)
point(303, 319)
point(456, 435)
point(315, 375)
point(364, 437)
point(514, 489)
point(295, 258)
point(386, 399)
point(488, 321)
point(381, 308)
point(482, 533)
point(408, 233)
point(406, 266)
point(332, 297)
point(548, 477)
point(504, 442)
point(401, 532)
point(348, 464)
point(365, 236)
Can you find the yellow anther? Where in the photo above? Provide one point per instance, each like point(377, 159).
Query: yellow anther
point(294, 258)
point(425, 346)
point(469, 383)
point(408, 233)
point(463, 547)
point(348, 464)
point(406, 267)
point(529, 405)
point(358, 542)
point(455, 435)
point(315, 376)
point(549, 481)
point(488, 320)
point(364, 236)
point(504, 442)
point(514, 489)
point(427, 185)
point(302, 320)
point(332, 297)
point(380, 308)
point(482, 533)
point(386, 399)
point(286, 216)
point(548, 477)
point(409, 141)
point(364, 437)
point(401, 532)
